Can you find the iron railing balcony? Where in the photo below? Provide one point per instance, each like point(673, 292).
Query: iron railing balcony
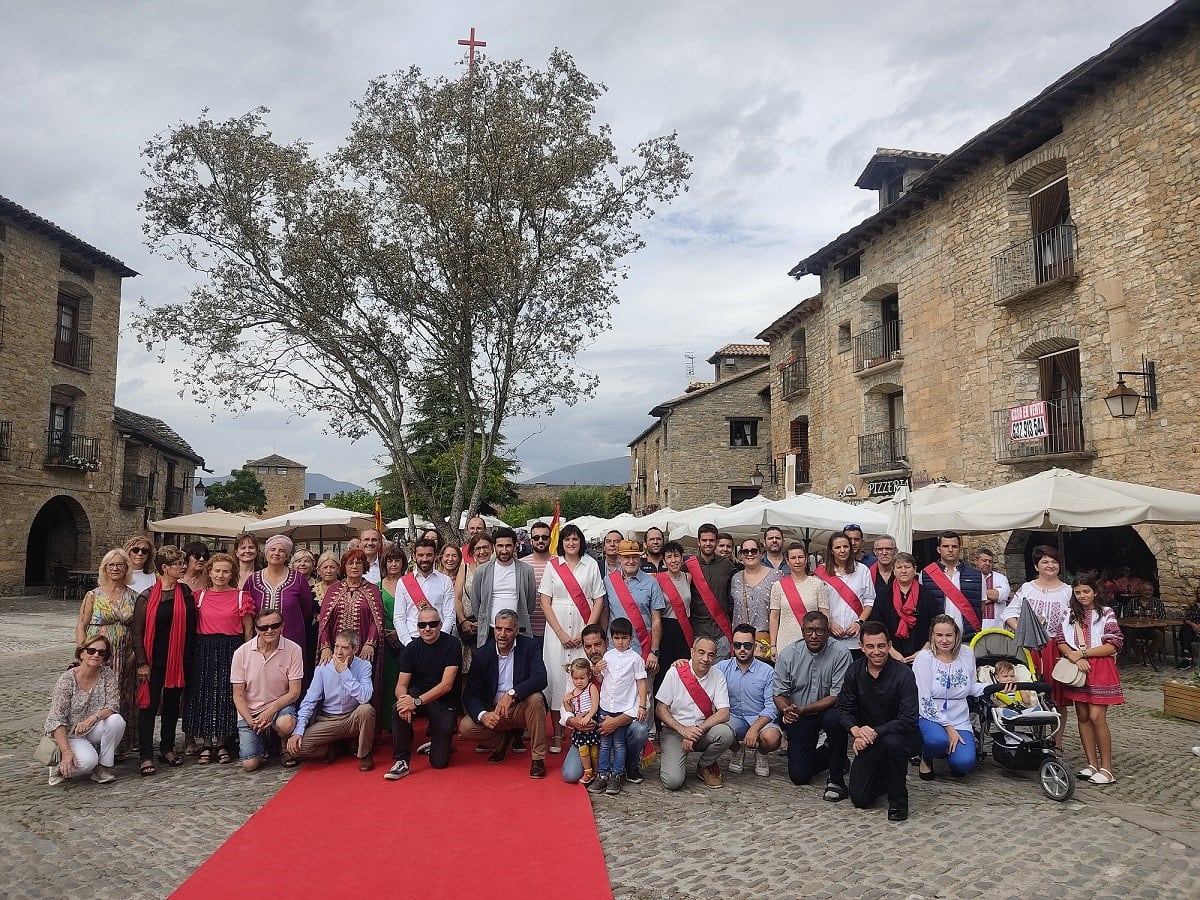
point(5, 441)
point(76, 353)
point(883, 451)
point(135, 490)
point(794, 377)
point(877, 345)
point(1034, 263)
point(1063, 433)
point(72, 451)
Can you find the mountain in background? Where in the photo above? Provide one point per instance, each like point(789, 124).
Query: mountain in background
point(597, 472)
point(314, 483)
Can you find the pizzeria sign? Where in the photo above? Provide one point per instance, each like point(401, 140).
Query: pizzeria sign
point(1027, 422)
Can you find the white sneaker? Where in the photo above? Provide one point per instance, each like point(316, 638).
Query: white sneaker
point(56, 777)
point(1196, 750)
point(737, 760)
point(103, 775)
point(822, 739)
point(762, 765)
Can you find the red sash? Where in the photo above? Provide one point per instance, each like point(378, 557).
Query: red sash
point(681, 610)
point(953, 594)
point(710, 599)
point(874, 570)
point(989, 608)
point(843, 590)
point(700, 697)
point(415, 594)
point(788, 586)
point(906, 613)
point(632, 613)
point(571, 583)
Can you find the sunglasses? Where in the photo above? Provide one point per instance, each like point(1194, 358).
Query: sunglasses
point(95, 651)
point(750, 551)
point(274, 627)
point(742, 645)
point(436, 623)
point(540, 537)
point(139, 549)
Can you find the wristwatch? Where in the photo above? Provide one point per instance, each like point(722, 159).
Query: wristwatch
point(512, 693)
point(417, 701)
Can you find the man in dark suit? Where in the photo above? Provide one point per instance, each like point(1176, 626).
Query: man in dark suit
point(503, 693)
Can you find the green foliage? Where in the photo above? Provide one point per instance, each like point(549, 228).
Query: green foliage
point(364, 502)
point(534, 509)
point(242, 493)
point(469, 231)
point(616, 501)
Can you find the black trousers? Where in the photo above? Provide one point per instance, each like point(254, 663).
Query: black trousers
point(805, 759)
point(881, 768)
point(441, 732)
point(171, 699)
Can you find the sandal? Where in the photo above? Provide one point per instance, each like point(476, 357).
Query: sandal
point(190, 749)
point(147, 768)
point(288, 761)
point(1103, 776)
point(224, 756)
point(171, 759)
point(204, 757)
point(1086, 772)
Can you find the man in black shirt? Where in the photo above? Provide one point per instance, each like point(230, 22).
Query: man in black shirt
point(878, 706)
point(429, 685)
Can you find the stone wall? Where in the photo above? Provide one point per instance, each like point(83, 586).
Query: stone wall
point(1135, 202)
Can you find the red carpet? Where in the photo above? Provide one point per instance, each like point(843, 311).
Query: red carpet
point(472, 827)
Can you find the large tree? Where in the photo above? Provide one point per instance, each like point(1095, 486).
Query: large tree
point(243, 492)
point(470, 230)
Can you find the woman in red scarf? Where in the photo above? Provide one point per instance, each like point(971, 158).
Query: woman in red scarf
point(907, 610)
point(164, 629)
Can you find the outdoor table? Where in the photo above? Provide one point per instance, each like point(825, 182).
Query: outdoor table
point(79, 582)
point(1138, 623)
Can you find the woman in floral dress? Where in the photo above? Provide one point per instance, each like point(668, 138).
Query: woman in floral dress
point(107, 610)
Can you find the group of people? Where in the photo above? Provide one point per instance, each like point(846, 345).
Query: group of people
point(712, 654)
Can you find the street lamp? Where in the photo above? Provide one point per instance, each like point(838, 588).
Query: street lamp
point(1122, 401)
point(756, 477)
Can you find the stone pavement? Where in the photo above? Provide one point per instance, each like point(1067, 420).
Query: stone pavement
point(993, 834)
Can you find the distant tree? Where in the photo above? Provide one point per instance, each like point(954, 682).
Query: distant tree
point(363, 501)
point(471, 230)
point(616, 501)
point(243, 492)
point(535, 509)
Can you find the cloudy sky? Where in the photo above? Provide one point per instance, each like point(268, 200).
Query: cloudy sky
point(780, 103)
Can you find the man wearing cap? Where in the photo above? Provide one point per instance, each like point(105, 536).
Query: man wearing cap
point(635, 595)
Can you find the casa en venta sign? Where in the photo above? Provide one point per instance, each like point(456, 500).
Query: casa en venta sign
point(1027, 422)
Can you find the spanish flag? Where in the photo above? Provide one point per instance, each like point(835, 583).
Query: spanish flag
point(554, 527)
point(378, 515)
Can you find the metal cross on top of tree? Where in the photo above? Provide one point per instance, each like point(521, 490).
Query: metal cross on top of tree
point(472, 44)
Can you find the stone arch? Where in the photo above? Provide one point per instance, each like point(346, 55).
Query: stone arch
point(60, 535)
point(1049, 339)
point(885, 388)
point(880, 291)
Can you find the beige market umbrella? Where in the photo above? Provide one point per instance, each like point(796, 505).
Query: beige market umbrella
point(316, 523)
point(1060, 498)
point(210, 523)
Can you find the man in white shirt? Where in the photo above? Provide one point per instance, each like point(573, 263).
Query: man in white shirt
point(996, 589)
point(503, 582)
point(686, 725)
point(432, 587)
point(371, 543)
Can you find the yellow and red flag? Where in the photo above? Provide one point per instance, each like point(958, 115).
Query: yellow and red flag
point(554, 527)
point(378, 516)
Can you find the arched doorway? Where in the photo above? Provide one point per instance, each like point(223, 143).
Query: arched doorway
point(1103, 549)
point(59, 536)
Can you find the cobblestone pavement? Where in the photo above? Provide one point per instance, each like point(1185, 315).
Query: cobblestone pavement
point(993, 834)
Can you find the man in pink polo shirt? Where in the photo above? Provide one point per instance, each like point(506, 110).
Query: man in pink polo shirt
point(265, 673)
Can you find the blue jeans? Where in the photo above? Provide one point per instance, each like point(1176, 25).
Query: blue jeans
point(612, 748)
point(250, 742)
point(937, 746)
point(636, 735)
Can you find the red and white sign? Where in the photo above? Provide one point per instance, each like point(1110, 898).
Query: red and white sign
point(1028, 422)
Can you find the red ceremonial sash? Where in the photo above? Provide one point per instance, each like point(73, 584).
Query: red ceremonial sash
point(954, 595)
point(681, 610)
point(632, 613)
point(788, 586)
point(843, 590)
point(710, 599)
point(414, 590)
point(571, 583)
point(874, 570)
point(906, 614)
point(699, 696)
point(989, 608)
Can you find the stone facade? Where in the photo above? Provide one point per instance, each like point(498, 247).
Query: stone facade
point(708, 441)
point(282, 480)
point(62, 457)
point(991, 311)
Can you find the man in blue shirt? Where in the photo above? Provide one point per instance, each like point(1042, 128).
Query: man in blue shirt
point(647, 596)
point(752, 713)
point(337, 705)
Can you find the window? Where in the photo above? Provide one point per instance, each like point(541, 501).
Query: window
point(282, 470)
point(743, 432)
point(843, 337)
point(850, 268)
point(1054, 239)
point(312, 496)
point(1059, 384)
point(893, 190)
point(291, 507)
point(264, 470)
point(798, 444)
point(889, 316)
point(324, 496)
point(66, 329)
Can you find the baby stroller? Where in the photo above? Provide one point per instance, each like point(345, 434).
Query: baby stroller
point(1021, 735)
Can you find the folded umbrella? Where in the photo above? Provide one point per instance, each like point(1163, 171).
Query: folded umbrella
point(1030, 632)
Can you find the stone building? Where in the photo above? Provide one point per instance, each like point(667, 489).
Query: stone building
point(1002, 288)
point(65, 450)
point(708, 442)
point(283, 482)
